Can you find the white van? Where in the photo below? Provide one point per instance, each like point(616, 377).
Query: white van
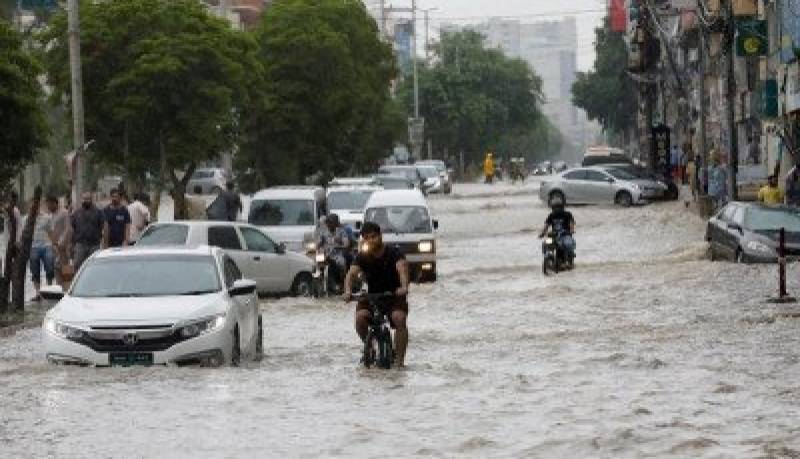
point(349, 201)
point(406, 223)
point(289, 214)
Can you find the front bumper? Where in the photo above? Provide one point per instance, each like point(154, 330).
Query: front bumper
point(195, 350)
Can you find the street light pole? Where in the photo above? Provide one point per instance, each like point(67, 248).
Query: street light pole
point(414, 56)
point(76, 80)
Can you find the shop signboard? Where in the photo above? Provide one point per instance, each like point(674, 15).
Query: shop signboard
point(660, 138)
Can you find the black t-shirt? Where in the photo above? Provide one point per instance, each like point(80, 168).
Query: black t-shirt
point(560, 220)
point(381, 273)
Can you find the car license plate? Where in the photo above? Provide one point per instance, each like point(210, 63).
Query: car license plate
point(127, 359)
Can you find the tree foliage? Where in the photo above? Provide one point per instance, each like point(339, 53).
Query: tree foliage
point(474, 98)
point(324, 103)
point(164, 83)
point(24, 129)
point(605, 91)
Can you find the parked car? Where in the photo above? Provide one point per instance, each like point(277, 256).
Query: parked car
point(444, 173)
point(409, 171)
point(275, 270)
point(748, 232)
point(289, 214)
point(207, 181)
point(154, 306)
point(594, 185)
point(652, 187)
point(349, 201)
point(405, 221)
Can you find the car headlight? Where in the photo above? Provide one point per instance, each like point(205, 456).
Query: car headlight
point(203, 326)
point(425, 246)
point(757, 246)
point(320, 257)
point(61, 329)
point(311, 246)
point(548, 240)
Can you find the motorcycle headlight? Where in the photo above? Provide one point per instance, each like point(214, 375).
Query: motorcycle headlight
point(757, 246)
point(320, 257)
point(311, 246)
point(61, 329)
point(203, 326)
point(425, 246)
point(548, 240)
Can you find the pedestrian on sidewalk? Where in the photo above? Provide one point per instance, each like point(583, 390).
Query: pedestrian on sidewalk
point(488, 168)
point(717, 183)
point(686, 154)
point(792, 196)
point(691, 172)
point(87, 230)
point(116, 232)
point(233, 203)
point(770, 193)
point(42, 253)
point(675, 162)
point(140, 215)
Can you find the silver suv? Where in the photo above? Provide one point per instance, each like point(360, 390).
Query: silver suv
point(596, 185)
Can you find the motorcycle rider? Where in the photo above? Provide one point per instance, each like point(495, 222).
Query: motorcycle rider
point(385, 270)
point(335, 243)
point(563, 225)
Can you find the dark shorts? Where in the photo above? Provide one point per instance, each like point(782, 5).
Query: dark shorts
point(398, 304)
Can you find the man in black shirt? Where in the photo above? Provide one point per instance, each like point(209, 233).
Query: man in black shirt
point(563, 225)
point(385, 270)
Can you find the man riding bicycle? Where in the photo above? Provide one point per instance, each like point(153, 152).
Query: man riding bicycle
point(563, 226)
point(385, 270)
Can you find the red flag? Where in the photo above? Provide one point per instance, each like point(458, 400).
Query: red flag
point(617, 15)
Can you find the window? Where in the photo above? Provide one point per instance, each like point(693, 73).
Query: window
point(727, 213)
point(400, 219)
point(232, 273)
point(596, 176)
point(575, 175)
point(349, 200)
point(256, 241)
point(738, 216)
point(282, 212)
point(224, 237)
point(164, 235)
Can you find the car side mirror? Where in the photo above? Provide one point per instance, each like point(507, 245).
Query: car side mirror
point(52, 292)
point(280, 248)
point(242, 287)
point(436, 224)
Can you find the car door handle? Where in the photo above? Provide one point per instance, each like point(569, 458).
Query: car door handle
point(257, 258)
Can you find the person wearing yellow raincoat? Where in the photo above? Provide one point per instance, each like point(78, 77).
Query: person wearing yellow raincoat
point(488, 168)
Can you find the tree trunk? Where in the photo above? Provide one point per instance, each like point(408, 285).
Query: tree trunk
point(21, 261)
point(181, 210)
point(11, 252)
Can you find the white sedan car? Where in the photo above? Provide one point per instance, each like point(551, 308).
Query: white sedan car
point(155, 306)
point(275, 270)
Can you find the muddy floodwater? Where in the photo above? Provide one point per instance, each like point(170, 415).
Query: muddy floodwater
point(645, 350)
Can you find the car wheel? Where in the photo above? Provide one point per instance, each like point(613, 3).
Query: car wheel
point(623, 199)
point(236, 349)
point(303, 285)
point(555, 195)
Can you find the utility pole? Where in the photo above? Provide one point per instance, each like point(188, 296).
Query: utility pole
point(703, 145)
point(733, 143)
point(74, 35)
point(414, 56)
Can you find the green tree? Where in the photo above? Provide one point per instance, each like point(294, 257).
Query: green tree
point(605, 91)
point(474, 98)
point(324, 101)
point(24, 128)
point(164, 83)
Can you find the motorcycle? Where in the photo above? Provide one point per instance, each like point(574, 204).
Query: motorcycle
point(555, 258)
point(378, 344)
point(330, 272)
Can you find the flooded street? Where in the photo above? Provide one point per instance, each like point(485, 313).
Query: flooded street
point(645, 350)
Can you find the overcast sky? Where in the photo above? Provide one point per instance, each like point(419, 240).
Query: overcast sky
point(589, 14)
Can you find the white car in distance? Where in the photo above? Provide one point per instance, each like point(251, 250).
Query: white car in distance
point(155, 306)
point(275, 270)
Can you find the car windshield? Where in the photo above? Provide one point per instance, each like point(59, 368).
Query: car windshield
point(621, 174)
point(428, 172)
point(282, 212)
point(349, 200)
point(134, 276)
point(164, 235)
point(400, 219)
point(758, 219)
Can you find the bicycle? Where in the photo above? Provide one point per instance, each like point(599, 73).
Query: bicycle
point(378, 343)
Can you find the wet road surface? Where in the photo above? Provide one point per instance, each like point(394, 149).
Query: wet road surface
point(645, 350)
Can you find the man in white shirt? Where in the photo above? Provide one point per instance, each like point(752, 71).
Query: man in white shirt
point(42, 253)
point(140, 216)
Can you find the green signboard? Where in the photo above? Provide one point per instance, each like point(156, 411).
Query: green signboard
point(769, 98)
point(751, 38)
